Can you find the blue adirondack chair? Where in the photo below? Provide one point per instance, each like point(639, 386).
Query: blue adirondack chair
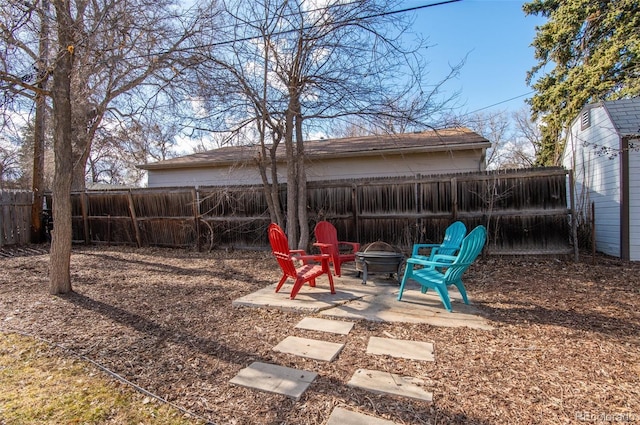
point(432, 275)
point(453, 236)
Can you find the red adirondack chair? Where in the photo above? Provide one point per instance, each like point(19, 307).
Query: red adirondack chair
point(307, 272)
point(327, 240)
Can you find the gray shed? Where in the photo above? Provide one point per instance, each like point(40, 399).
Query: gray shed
point(603, 150)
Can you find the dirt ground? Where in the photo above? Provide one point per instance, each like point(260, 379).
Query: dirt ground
point(565, 347)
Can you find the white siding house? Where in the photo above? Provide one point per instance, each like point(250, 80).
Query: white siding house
point(431, 152)
point(602, 149)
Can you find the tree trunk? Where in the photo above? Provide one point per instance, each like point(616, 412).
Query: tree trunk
point(303, 216)
point(79, 173)
point(275, 186)
point(266, 186)
point(81, 143)
point(292, 178)
point(60, 257)
point(271, 190)
point(37, 184)
point(86, 118)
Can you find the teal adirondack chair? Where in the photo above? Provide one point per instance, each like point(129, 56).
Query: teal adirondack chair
point(432, 275)
point(453, 236)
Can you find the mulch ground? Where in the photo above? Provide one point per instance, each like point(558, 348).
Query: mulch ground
point(565, 346)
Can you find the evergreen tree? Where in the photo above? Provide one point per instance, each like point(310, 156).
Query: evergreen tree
point(594, 49)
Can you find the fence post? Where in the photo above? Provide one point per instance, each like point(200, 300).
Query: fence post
point(36, 216)
point(574, 221)
point(134, 219)
point(418, 197)
point(354, 201)
point(454, 198)
point(3, 199)
point(24, 216)
point(84, 203)
point(593, 233)
point(195, 194)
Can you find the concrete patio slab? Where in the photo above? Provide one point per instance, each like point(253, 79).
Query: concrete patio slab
point(341, 416)
point(388, 383)
point(308, 300)
point(325, 325)
point(375, 301)
point(275, 379)
point(415, 307)
point(414, 350)
point(310, 348)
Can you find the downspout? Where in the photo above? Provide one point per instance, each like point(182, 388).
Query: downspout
point(624, 199)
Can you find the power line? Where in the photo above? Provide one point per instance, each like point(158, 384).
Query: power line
point(410, 9)
point(284, 32)
point(500, 103)
point(346, 21)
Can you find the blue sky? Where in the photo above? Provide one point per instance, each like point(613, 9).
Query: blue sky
point(496, 37)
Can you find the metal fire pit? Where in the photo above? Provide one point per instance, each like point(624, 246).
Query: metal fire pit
point(379, 257)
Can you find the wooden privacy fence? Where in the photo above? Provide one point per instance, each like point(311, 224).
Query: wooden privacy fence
point(15, 217)
point(525, 211)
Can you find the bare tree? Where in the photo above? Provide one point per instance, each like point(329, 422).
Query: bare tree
point(290, 70)
point(23, 140)
point(25, 31)
point(529, 135)
point(126, 56)
point(9, 166)
point(111, 58)
point(116, 151)
point(493, 126)
point(513, 137)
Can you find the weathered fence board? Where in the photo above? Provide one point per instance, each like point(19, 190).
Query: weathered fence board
point(524, 211)
point(15, 217)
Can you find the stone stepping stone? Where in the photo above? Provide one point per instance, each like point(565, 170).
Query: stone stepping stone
point(341, 416)
point(325, 325)
point(311, 348)
point(275, 379)
point(388, 383)
point(414, 350)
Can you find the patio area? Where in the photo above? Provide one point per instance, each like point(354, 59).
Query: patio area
point(375, 301)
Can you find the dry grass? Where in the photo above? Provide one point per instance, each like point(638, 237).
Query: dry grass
point(44, 385)
point(565, 344)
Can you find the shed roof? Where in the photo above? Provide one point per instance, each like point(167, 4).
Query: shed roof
point(450, 139)
point(625, 115)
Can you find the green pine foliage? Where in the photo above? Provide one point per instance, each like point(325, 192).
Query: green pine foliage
point(587, 51)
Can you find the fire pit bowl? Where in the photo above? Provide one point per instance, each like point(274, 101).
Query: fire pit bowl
point(379, 257)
